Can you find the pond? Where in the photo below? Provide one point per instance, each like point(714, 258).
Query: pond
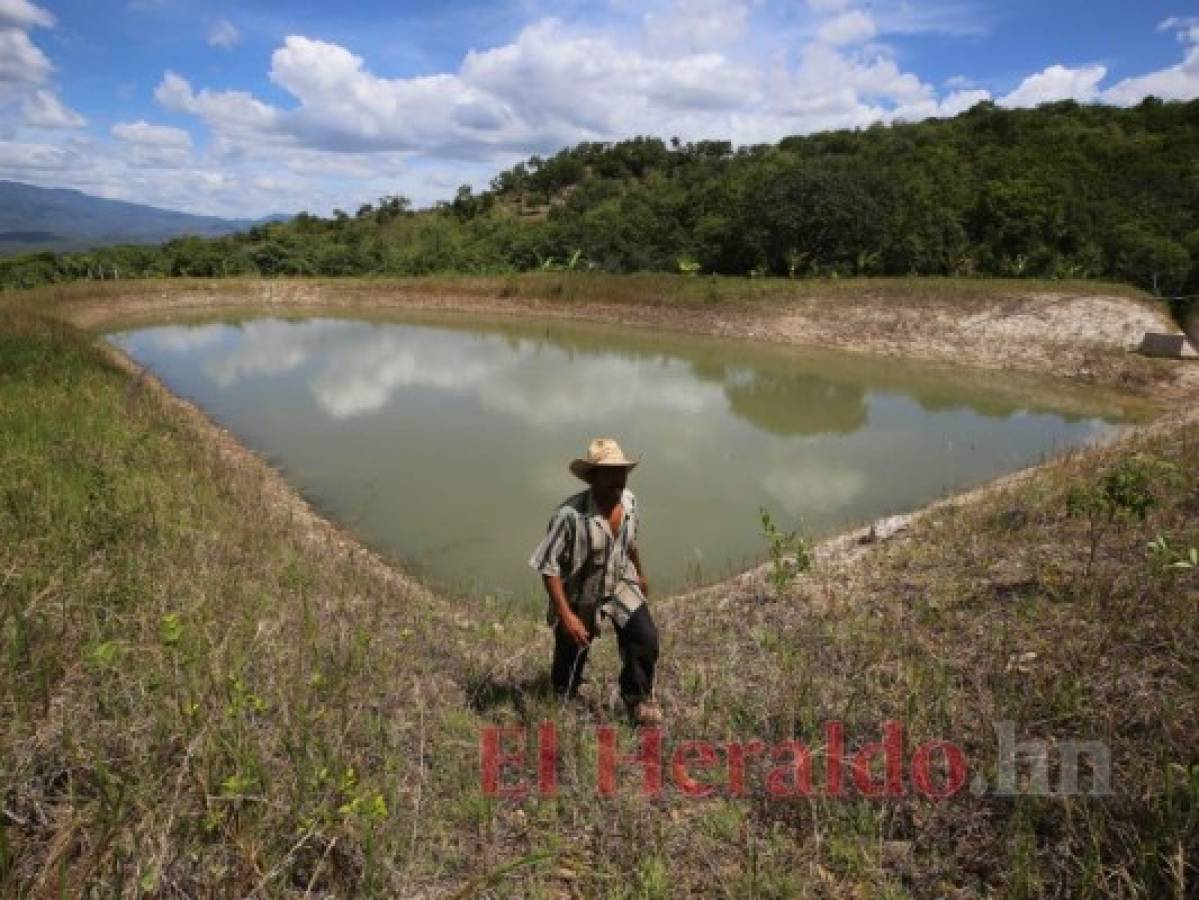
point(444, 442)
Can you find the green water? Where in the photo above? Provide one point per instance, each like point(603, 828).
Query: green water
point(443, 443)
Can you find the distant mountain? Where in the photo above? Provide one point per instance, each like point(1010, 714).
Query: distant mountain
point(36, 218)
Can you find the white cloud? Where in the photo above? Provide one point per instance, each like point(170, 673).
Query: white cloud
point(951, 18)
point(853, 27)
point(960, 101)
point(20, 60)
point(589, 84)
point(142, 132)
point(548, 88)
point(697, 24)
point(23, 14)
point(225, 111)
point(828, 6)
point(223, 34)
point(1179, 82)
point(24, 157)
point(931, 107)
point(1057, 83)
point(154, 146)
point(1178, 23)
point(832, 89)
point(166, 176)
point(552, 86)
point(43, 109)
point(26, 99)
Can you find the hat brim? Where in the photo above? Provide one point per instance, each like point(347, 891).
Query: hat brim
point(581, 468)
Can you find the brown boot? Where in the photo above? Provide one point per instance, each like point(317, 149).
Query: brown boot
point(646, 713)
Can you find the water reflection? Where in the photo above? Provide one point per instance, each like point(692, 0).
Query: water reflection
point(445, 443)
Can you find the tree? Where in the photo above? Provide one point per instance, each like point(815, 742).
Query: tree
point(828, 217)
point(1149, 259)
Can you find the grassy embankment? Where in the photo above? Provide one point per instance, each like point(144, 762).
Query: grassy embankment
point(196, 692)
point(642, 289)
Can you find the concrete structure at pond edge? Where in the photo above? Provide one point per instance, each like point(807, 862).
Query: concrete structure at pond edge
point(1190, 324)
point(1167, 346)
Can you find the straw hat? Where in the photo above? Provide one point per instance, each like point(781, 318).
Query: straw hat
point(601, 452)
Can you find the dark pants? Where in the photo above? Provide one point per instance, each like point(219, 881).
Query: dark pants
point(637, 642)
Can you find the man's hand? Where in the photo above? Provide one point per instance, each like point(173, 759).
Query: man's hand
point(576, 629)
point(568, 620)
point(644, 585)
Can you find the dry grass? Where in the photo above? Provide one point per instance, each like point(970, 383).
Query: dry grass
point(986, 612)
point(644, 289)
point(199, 697)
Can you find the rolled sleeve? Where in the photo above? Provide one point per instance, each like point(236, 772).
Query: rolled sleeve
point(552, 552)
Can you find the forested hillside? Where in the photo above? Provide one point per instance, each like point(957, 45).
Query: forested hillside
point(1065, 190)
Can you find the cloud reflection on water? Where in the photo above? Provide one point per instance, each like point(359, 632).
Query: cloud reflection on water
point(360, 369)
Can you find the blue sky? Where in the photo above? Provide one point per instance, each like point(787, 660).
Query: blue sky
point(235, 107)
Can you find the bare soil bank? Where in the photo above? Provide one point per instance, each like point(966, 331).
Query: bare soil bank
point(1084, 337)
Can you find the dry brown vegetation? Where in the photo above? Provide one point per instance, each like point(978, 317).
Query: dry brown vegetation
point(208, 690)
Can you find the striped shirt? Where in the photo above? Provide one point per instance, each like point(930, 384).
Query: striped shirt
point(595, 566)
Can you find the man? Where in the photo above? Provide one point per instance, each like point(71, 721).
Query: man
point(591, 568)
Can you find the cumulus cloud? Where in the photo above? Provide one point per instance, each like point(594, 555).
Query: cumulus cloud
point(960, 101)
point(1182, 25)
point(23, 15)
point(142, 132)
point(555, 85)
point(20, 60)
point(828, 6)
point(226, 111)
point(1178, 82)
point(25, 72)
point(931, 107)
point(548, 88)
point(160, 146)
point(1057, 83)
point(26, 157)
point(160, 174)
point(223, 34)
point(43, 109)
point(697, 24)
point(952, 18)
point(853, 27)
